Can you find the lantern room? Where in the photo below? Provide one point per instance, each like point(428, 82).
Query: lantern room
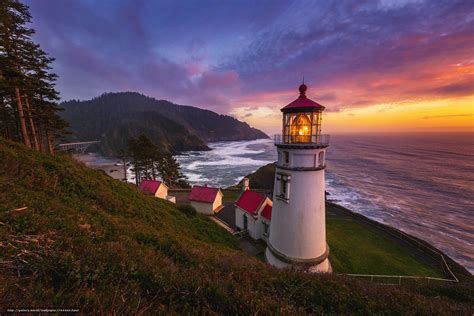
point(302, 120)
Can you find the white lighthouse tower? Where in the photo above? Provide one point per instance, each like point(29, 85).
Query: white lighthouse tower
point(298, 225)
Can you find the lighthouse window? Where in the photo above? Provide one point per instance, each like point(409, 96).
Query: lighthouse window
point(286, 156)
point(283, 186)
point(265, 228)
point(321, 158)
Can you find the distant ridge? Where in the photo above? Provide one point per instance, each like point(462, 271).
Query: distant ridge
point(115, 117)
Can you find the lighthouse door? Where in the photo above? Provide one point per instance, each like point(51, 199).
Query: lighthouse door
point(245, 223)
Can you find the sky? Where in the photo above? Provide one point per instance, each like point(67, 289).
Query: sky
point(377, 66)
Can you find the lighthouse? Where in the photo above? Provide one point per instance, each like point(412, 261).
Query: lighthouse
point(298, 226)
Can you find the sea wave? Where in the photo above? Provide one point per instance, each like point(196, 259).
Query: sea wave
point(226, 162)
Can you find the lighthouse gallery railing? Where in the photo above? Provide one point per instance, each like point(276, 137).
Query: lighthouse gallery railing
point(322, 139)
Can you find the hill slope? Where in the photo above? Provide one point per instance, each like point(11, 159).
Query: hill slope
point(90, 242)
point(263, 178)
point(115, 117)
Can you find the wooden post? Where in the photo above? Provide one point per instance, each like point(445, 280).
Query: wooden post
point(21, 115)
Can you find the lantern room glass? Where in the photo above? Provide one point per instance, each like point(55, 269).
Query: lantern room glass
point(302, 127)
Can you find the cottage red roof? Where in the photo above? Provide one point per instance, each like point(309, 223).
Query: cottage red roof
point(249, 201)
point(302, 103)
point(149, 186)
point(203, 194)
point(267, 211)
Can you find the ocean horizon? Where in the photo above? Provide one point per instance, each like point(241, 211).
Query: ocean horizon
point(419, 183)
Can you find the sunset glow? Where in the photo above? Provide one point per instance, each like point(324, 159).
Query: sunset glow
point(446, 115)
point(377, 66)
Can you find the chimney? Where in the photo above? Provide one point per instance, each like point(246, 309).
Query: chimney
point(246, 184)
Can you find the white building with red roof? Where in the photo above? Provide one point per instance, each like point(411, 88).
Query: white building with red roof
point(206, 200)
point(253, 213)
point(156, 188)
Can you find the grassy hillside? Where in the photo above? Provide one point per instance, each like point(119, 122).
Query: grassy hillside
point(356, 248)
point(90, 242)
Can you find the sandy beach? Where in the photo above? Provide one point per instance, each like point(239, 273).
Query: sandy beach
point(113, 168)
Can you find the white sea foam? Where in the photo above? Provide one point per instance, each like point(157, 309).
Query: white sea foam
point(196, 178)
point(227, 161)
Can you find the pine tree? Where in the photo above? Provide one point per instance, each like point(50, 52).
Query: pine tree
point(170, 171)
point(28, 99)
point(149, 162)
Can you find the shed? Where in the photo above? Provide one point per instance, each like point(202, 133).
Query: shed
point(206, 200)
point(156, 188)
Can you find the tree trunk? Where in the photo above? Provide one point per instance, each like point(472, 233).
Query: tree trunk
point(21, 116)
point(32, 125)
point(50, 141)
point(152, 165)
point(124, 161)
point(40, 139)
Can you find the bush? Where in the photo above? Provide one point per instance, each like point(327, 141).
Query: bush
point(187, 209)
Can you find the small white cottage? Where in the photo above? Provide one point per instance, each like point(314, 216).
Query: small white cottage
point(206, 200)
point(253, 213)
point(157, 189)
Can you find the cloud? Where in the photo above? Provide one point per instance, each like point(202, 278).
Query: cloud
point(231, 55)
point(462, 88)
point(446, 116)
point(389, 53)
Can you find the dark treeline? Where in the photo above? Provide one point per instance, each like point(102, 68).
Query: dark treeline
point(28, 98)
point(149, 162)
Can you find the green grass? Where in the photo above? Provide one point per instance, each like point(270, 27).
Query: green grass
point(88, 241)
point(357, 248)
point(230, 196)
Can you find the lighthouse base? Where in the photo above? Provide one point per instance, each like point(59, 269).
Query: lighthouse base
point(318, 266)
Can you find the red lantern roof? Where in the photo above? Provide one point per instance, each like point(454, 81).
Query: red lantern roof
point(302, 104)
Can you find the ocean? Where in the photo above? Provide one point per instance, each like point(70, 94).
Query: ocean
point(422, 184)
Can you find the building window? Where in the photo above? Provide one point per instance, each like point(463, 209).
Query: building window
point(286, 157)
point(283, 186)
point(321, 159)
